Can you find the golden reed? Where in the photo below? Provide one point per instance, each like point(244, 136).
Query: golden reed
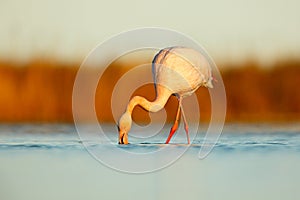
point(41, 91)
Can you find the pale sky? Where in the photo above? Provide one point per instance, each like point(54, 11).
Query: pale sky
point(230, 30)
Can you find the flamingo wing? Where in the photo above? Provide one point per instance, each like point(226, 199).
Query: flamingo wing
point(157, 61)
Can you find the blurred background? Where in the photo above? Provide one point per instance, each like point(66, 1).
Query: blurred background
point(255, 44)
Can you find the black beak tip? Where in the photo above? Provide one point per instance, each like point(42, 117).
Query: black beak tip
point(121, 140)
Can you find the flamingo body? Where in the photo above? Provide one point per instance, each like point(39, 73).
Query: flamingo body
point(182, 70)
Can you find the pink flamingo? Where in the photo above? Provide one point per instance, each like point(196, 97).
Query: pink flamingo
point(176, 70)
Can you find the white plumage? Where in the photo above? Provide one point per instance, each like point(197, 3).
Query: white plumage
point(182, 70)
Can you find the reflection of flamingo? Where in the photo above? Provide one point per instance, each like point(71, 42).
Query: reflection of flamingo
point(176, 70)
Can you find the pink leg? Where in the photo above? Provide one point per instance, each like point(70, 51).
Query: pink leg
point(186, 127)
point(175, 126)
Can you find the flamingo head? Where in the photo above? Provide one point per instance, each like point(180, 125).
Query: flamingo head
point(124, 127)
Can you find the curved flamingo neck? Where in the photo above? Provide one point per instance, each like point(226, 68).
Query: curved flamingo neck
point(162, 97)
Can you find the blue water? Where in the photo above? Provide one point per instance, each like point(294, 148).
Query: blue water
point(250, 161)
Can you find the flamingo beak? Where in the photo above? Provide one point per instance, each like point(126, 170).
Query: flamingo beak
point(123, 137)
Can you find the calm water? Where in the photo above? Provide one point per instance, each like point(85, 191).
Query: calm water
point(257, 161)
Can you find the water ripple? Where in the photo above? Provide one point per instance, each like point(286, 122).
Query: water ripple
point(234, 139)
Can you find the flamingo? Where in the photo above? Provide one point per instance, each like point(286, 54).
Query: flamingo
point(178, 71)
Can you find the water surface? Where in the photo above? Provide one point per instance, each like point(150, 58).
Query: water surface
point(250, 161)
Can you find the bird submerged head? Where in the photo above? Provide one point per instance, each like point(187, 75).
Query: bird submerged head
point(124, 126)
